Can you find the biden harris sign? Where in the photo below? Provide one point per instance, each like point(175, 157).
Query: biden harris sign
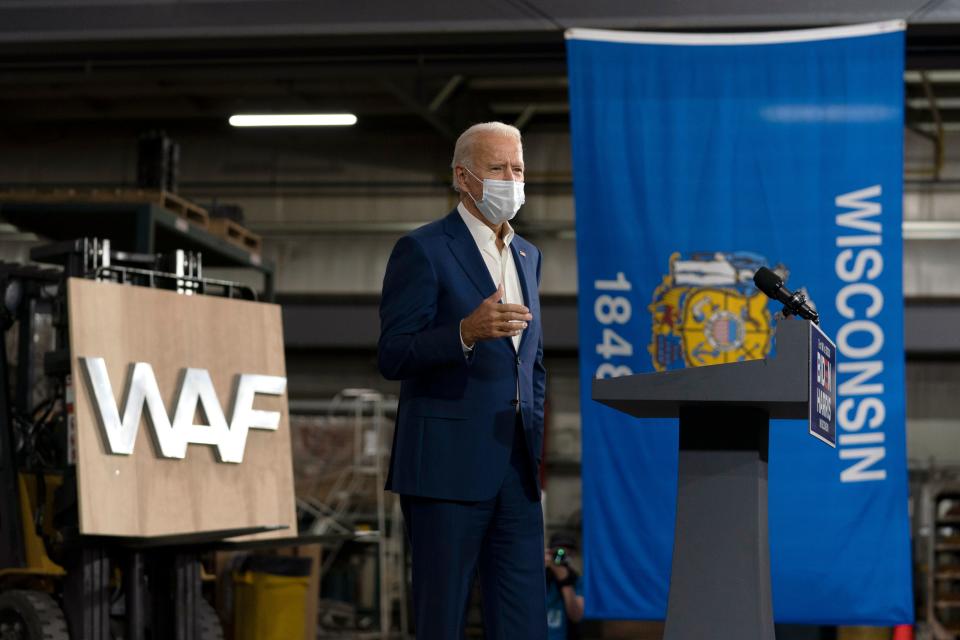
point(697, 160)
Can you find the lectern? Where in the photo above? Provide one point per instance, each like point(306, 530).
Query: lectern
point(720, 581)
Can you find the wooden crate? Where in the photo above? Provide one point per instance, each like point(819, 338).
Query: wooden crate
point(187, 210)
point(236, 234)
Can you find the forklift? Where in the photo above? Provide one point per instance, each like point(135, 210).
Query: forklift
point(55, 583)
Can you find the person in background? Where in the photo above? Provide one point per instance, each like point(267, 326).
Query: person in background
point(564, 589)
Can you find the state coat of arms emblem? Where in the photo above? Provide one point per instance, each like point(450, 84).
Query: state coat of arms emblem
point(707, 311)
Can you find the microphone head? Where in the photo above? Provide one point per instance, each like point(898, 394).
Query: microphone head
point(767, 281)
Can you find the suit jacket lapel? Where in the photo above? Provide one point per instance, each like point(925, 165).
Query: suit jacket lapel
point(465, 250)
point(527, 282)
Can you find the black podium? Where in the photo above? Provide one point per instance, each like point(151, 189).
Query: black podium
point(720, 581)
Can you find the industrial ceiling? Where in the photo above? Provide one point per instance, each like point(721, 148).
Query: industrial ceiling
point(429, 65)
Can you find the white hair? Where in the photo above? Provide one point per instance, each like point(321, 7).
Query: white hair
point(463, 150)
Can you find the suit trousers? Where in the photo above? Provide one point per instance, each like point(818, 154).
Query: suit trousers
point(501, 539)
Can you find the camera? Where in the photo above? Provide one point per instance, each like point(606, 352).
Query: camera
point(560, 556)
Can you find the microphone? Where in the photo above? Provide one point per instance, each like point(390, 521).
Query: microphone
point(793, 302)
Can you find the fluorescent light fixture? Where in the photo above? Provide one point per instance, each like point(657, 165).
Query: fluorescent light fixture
point(915, 77)
point(294, 120)
point(942, 103)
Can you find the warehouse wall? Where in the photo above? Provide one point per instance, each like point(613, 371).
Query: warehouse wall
point(327, 200)
point(311, 260)
point(332, 203)
point(933, 425)
point(319, 259)
point(931, 266)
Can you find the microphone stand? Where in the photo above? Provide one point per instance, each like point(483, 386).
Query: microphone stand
point(794, 306)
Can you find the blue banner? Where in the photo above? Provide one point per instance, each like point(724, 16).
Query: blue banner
point(698, 159)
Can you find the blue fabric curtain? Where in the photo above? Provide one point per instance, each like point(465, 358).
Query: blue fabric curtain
point(694, 164)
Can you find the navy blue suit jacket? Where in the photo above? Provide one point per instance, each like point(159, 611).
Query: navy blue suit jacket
point(457, 415)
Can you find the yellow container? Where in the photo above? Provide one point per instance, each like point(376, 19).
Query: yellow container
point(863, 633)
point(267, 605)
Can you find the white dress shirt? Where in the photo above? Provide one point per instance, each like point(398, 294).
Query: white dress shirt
point(500, 264)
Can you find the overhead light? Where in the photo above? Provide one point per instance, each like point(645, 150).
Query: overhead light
point(915, 77)
point(940, 103)
point(931, 230)
point(294, 120)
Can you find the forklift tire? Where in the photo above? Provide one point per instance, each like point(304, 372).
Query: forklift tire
point(208, 623)
point(31, 615)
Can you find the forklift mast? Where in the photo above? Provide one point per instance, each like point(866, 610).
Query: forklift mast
point(40, 544)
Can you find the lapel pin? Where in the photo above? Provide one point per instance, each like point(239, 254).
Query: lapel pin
point(522, 253)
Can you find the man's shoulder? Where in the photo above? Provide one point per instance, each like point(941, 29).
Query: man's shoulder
point(430, 232)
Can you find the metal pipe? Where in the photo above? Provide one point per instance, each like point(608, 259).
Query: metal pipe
point(938, 144)
point(445, 93)
point(133, 579)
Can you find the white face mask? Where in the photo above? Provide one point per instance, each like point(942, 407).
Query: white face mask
point(501, 199)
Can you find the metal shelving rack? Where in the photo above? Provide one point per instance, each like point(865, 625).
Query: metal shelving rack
point(367, 412)
point(943, 560)
point(136, 227)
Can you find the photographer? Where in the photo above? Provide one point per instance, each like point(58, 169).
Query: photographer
point(564, 589)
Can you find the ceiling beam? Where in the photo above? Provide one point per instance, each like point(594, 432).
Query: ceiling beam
point(445, 92)
point(414, 106)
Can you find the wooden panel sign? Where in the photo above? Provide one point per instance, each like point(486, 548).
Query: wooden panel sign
point(180, 412)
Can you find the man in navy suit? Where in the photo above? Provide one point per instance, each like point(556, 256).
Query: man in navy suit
point(460, 327)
